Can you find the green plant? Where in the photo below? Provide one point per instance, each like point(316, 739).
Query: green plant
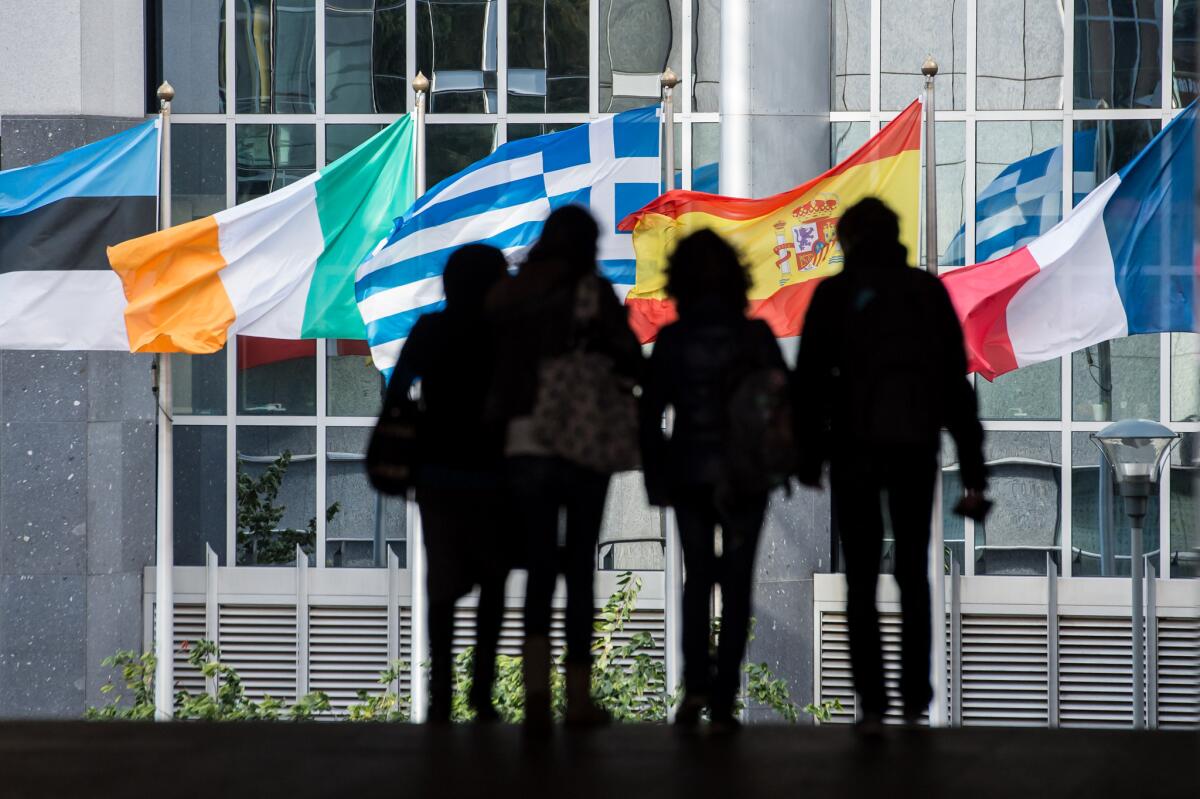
point(137, 673)
point(259, 539)
point(823, 713)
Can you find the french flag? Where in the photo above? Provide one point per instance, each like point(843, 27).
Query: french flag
point(1121, 263)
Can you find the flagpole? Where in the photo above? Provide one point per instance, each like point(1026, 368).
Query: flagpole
point(164, 558)
point(937, 570)
point(668, 81)
point(421, 88)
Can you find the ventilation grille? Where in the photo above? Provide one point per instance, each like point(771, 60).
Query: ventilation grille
point(1005, 671)
point(1095, 672)
point(1178, 673)
point(260, 642)
point(347, 650)
point(188, 628)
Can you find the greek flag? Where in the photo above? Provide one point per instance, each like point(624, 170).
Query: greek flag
point(610, 166)
point(1024, 201)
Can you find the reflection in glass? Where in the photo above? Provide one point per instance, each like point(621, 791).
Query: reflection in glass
point(452, 148)
point(1031, 392)
point(270, 157)
point(632, 534)
point(1020, 55)
point(276, 377)
point(954, 527)
point(706, 157)
point(355, 386)
point(199, 503)
point(365, 57)
point(706, 55)
point(951, 185)
point(341, 139)
point(1090, 550)
point(527, 130)
point(1025, 482)
point(911, 30)
point(1115, 143)
point(366, 521)
point(547, 56)
point(846, 138)
point(193, 55)
point(197, 171)
point(1116, 380)
point(1118, 57)
point(456, 50)
point(1185, 79)
point(1185, 377)
point(851, 55)
point(638, 40)
point(276, 56)
point(198, 384)
point(1185, 511)
point(277, 475)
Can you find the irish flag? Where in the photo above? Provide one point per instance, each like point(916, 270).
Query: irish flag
point(789, 241)
point(1120, 264)
point(281, 266)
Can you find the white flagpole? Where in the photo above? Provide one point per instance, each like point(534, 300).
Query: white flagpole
point(937, 571)
point(164, 558)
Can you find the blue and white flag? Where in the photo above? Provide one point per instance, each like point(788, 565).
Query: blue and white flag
point(610, 166)
point(1025, 200)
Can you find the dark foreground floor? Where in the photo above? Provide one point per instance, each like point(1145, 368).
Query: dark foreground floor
point(643, 762)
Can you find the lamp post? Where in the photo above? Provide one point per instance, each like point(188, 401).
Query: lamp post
point(1136, 449)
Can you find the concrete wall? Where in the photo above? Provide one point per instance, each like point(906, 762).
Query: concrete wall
point(77, 443)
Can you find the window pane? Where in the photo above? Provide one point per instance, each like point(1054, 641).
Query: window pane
point(1031, 392)
point(1089, 547)
point(275, 496)
point(452, 148)
point(456, 50)
point(363, 516)
point(1185, 511)
point(852, 55)
point(197, 171)
point(199, 504)
point(951, 183)
point(954, 528)
point(911, 30)
point(1103, 147)
point(276, 377)
point(1183, 51)
point(1116, 380)
point(1018, 179)
point(527, 130)
point(1118, 57)
point(365, 61)
point(629, 518)
point(193, 55)
point(1025, 482)
point(1185, 377)
point(270, 157)
point(1020, 58)
point(706, 55)
point(706, 157)
point(276, 56)
point(341, 139)
point(198, 384)
point(847, 137)
point(547, 56)
point(638, 40)
point(355, 385)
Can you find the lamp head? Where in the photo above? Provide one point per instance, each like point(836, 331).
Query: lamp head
point(1136, 449)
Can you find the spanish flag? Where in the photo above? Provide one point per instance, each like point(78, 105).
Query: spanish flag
point(788, 241)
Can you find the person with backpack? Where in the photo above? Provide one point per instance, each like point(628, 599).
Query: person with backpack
point(882, 369)
point(715, 430)
point(563, 388)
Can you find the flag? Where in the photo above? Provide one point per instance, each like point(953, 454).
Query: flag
point(280, 266)
point(788, 241)
point(1120, 264)
point(610, 166)
point(1025, 200)
point(56, 219)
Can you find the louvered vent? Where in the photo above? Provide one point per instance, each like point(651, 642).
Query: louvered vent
point(1178, 673)
point(347, 650)
point(511, 630)
point(188, 628)
point(1095, 672)
point(1005, 674)
point(260, 642)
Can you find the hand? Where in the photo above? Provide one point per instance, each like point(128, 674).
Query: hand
point(973, 505)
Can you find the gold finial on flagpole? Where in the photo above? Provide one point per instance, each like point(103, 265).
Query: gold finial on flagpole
point(166, 92)
point(668, 80)
point(420, 83)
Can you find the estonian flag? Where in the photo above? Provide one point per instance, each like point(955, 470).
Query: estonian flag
point(57, 291)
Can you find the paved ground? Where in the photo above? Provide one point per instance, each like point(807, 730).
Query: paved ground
point(643, 762)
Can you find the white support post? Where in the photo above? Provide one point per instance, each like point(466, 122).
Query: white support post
point(393, 613)
point(301, 622)
point(212, 609)
point(420, 613)
point(164, 555)
point(672, 608)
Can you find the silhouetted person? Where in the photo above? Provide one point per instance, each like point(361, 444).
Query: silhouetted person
point(881, 371)
point(459, 480)
point(697, 367)
point(538, 314)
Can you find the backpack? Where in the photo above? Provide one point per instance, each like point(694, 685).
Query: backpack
point(760, 442)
